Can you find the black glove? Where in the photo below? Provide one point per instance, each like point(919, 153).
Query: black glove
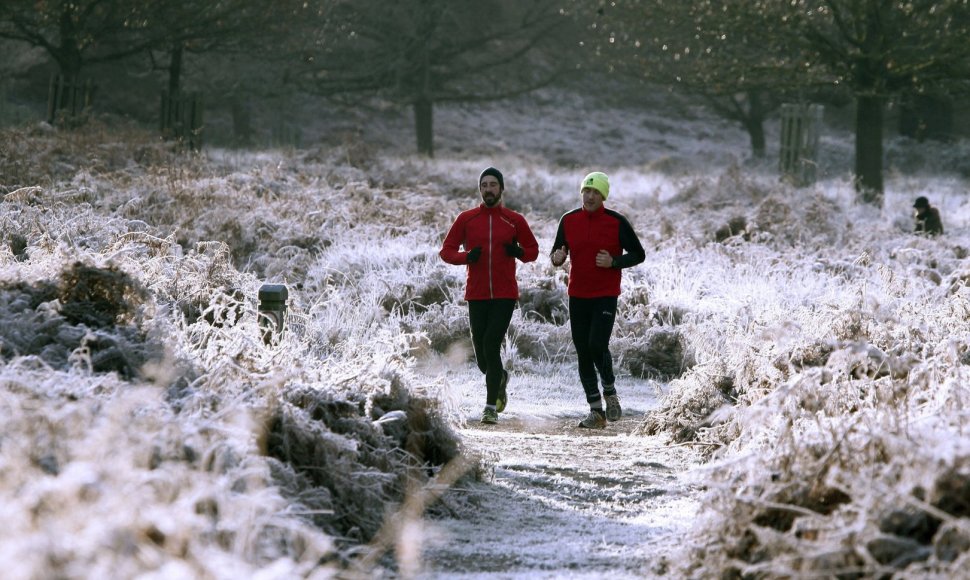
point(473, 255)
point(514, 249)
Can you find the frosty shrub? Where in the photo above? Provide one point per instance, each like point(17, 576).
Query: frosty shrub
point(419, 295)
point(802, 356)
point(39, 155)
point(736, 226)
point(131, 335)
point(74, 448)
point(544, 300)
point(98, 297)
point(689, 405)
point(822, 351)
point(774, 216)
point(817, 361)
point(345, 466)
point(823, 220)
point(911, 525)
point(930, 157)
point(657, 353)
point(444, 326)
point(87, 318)
point(541, 341)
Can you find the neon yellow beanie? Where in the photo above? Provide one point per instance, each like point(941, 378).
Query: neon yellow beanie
point(598, 181)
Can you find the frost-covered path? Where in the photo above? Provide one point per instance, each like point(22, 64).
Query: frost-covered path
point(560, 501)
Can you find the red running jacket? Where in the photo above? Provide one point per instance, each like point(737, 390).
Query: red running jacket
point(584, 234)
point(493, 275)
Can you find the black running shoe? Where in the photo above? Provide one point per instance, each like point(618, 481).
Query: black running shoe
point(503, 395)
point(593, 421)
point(489, 416)
point(613, 410)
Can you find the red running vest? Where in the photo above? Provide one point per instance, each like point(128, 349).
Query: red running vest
point(493, 275)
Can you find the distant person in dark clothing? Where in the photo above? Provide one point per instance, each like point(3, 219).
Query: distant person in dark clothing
point(600, 243)
point(488, 239)
point(927, 218)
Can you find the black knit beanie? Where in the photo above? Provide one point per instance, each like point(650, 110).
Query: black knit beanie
point(495, 173)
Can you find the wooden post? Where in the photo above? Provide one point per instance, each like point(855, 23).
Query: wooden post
point(180, 118)
point(272, 311)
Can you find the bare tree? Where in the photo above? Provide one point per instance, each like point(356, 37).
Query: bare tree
point(875, 49)
point(423, 52)
point(201, 26)
point(880, 48)
point(75, 32)
point(709, 48)
point(79, 32)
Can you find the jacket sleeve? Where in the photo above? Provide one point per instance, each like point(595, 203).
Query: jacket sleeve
point(634, 252)
point(560, 237)
point(450, 251)
point(527, 240)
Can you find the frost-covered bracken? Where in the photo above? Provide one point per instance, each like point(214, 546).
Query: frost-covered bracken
point(811, 349)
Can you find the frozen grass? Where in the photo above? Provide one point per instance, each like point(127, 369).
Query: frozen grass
point(818, 356)
point(150, 399)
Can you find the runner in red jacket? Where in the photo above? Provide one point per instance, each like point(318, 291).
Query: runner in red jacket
point(488, 239)
point(600, 242)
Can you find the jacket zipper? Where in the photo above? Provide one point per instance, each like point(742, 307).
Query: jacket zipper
point(491, 290)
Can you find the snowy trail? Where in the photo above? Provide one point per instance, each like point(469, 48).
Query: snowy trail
point(561, 502)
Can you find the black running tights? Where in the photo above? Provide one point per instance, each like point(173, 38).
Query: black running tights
point(489, 321)
point(591, 323)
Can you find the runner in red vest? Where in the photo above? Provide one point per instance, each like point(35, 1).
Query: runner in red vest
point(488, 239)
point(600, 242)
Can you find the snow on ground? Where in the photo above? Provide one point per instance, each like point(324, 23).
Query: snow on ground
point(559, 501)
point(554, 501)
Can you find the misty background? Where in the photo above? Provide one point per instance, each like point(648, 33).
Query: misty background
point(254, 73)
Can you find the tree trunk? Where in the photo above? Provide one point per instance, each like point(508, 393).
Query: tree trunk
point(424, 125)
point(175, 69)
point(756, 132)
point(67, 99)
point(242, 127)
point(868, 148)
point(755, 124)
point(749, 111)
point(68, 53)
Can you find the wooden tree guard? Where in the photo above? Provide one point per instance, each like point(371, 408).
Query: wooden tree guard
point(3, 104)
point(181, 118)
point(800, 126)
point(68, 98)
